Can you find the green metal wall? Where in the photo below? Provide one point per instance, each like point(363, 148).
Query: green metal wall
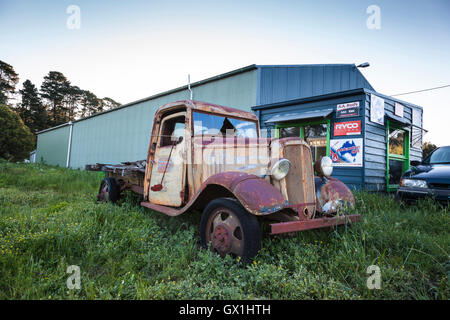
point(123, 134)
point(52, 146)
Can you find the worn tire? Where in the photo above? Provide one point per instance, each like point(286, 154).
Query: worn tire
point(239, 227)
point(109, 191)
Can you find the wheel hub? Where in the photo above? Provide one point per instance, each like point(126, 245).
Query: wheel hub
point(221, 239)
point(103, 194)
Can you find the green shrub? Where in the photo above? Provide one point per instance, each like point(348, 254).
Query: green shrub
point(16, 140)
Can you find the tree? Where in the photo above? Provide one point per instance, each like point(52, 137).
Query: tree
point(108, 103)
point(89, 104)
point(55, 90)
point(31, 109)
point(72, 101)
point(427, 148)
point(8, 81)
point(16, 140)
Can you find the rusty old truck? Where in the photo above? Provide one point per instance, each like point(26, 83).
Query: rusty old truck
point(212, 158)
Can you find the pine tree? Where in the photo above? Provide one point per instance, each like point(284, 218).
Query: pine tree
point(108, 104)
point(8, 81)
point(55, 90)
point(72, 101)
point(31, 109)
point(89, 104)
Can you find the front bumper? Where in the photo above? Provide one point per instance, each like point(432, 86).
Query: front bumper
point(308, 224)
point(414, 194)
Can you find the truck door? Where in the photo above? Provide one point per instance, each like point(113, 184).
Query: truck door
point(170, 161)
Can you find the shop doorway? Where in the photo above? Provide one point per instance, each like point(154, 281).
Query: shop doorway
point(397, 150)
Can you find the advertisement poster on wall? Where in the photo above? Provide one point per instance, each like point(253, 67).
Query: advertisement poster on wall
point(376, 109)
point(347, 128)
point(398, 109)
point(346, 152)
point(345, 110)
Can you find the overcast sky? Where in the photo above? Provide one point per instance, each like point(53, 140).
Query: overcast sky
point(129, 50)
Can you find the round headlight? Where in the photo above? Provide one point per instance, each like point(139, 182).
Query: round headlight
point(280, 169)
point(324, 167)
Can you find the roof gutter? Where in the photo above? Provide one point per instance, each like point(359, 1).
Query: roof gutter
point(52, 128)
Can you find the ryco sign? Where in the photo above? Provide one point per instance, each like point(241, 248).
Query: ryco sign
point(347, 128)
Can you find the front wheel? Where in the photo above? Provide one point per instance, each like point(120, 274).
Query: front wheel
point(229, 229)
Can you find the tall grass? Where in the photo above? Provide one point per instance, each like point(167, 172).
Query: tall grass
point(49, 219)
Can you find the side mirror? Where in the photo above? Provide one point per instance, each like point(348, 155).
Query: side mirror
point(416, 163)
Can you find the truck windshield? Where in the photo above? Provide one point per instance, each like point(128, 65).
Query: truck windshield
point(208, 124)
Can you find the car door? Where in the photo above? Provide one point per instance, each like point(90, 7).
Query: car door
point(169, 164)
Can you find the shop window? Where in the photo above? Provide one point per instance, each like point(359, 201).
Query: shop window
point(289, 132)
point(397, 154)
point(397, 141)
point(316, 134)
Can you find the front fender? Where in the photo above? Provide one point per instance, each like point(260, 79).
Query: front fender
point(255, 194)
point(331, 194)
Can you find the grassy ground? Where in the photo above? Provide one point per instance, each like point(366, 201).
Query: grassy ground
point(50, 220)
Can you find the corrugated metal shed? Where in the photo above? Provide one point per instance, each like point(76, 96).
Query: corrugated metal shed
point(122, 134)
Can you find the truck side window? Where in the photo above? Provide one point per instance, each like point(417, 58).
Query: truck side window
point(172, 129)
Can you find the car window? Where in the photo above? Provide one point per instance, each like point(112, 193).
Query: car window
point(440, 155)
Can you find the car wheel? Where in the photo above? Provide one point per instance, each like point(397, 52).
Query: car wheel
point(227, 228)
point(109, 191)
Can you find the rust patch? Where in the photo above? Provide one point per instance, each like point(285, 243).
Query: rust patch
point(292, 226)
point(332, 195)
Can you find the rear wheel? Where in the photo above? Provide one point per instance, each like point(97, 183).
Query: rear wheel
point(229, 229)
point(109, 191)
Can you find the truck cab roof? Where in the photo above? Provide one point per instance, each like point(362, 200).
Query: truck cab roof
point(207, 107)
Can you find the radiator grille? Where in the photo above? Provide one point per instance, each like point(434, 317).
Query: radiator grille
point(300, 179)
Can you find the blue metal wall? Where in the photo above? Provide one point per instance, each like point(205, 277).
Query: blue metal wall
point(282, 83)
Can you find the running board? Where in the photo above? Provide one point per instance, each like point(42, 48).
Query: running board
point(163, 209)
